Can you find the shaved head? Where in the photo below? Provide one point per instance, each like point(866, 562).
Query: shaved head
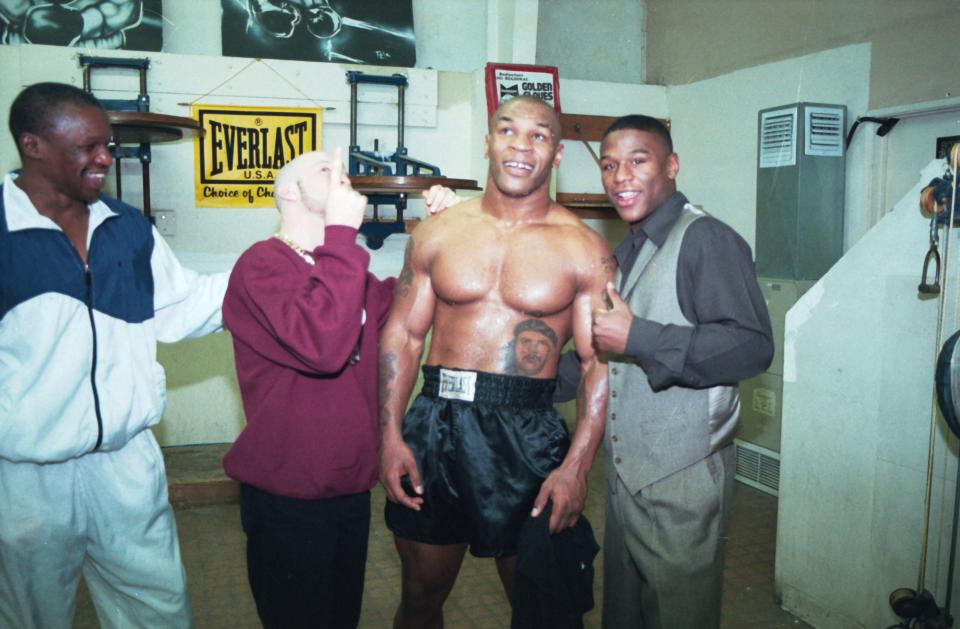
point(550, 119)
point(304, 181)
point(294, 170)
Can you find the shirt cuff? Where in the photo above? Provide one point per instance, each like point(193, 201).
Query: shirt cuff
point(642, 339)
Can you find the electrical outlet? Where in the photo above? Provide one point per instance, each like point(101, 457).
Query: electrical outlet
point(166, 222)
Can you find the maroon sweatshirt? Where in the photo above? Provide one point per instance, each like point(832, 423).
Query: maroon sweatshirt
point(311, 427)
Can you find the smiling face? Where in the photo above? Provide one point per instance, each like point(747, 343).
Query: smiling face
point(72, 151)
point(523, 146)
point(638, 171)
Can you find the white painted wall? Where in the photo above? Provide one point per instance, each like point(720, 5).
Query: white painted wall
point(569, 32)
point(714, 127)
point(858, 381)
point(451, 34)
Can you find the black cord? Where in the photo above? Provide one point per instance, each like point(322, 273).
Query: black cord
point(885, 125)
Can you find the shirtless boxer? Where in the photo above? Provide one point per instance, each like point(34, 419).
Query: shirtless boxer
point(482, 448)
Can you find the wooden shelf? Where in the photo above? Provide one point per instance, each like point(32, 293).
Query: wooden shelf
point(584, 127)
point(587, 205)
point(384, 184)
point(141, 127)
point(587, 127)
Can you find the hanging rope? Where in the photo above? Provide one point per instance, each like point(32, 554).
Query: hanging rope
point(244, 69)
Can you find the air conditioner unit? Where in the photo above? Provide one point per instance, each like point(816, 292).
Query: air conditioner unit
point(800, 195)
point(800, 190)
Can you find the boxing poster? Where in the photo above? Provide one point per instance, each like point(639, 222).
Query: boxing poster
point(504, 81)
point(375, 32)
point(113, 24)
point(238, 154)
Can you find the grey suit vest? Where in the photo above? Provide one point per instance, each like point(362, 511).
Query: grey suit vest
point(652, 434)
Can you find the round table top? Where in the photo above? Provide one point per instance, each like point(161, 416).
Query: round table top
point(389, 183)
point(133, 127)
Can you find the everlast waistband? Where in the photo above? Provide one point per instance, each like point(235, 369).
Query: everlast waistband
point(487, 388)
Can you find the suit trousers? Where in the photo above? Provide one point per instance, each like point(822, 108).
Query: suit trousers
point(306, 558)
point(663, 548)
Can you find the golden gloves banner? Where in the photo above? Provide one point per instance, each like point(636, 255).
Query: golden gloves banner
point(240, 149)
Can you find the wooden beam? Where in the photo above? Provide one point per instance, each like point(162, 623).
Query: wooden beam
point(587, 127)
point(584, 127)
point(587, 205)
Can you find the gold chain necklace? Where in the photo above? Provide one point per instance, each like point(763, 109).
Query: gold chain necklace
point(303, 253)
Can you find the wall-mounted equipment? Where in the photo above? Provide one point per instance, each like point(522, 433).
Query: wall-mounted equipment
point(939, 199)
point(800, 196)
point(134, 126)
point(388, 179)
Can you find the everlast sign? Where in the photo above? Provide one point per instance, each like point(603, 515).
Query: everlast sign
point(242, 148)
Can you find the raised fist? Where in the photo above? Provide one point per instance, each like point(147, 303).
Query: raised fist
point(323, 21)
point(53, 25)
point(279, 19)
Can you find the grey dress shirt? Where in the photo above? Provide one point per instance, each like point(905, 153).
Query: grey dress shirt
point(730, 339)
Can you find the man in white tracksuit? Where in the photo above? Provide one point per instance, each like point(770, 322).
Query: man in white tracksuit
point(87, 288)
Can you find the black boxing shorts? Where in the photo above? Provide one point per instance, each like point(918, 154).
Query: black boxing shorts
point(484, 443)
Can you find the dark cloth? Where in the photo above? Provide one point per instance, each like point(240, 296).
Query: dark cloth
point(730, 337)
point(311, 411)
point(306, 558)
point(553, 587)
point(481, 462)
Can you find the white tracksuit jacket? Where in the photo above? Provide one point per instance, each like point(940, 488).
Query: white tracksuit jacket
point(82, 481)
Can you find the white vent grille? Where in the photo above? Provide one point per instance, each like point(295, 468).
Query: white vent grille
point(758, 467)
point(823, 131)
point(778, 138)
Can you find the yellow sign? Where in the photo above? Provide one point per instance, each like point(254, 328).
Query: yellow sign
point(240, 150)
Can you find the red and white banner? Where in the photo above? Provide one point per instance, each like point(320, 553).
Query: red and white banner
point(504, 81)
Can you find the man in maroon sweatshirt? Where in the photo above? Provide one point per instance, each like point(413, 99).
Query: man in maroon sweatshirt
point(305, 315)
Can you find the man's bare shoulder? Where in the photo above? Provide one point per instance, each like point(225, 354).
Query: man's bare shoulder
point(434, 232)
point(586, 238)
point(452, 218)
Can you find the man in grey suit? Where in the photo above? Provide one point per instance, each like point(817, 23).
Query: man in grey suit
point(691, 323)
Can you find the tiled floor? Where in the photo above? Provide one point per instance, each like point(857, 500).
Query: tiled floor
point(212, 545)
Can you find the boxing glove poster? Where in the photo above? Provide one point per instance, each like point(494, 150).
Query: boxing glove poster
point(375, 32)
point(237, 156)
point(114, 24)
